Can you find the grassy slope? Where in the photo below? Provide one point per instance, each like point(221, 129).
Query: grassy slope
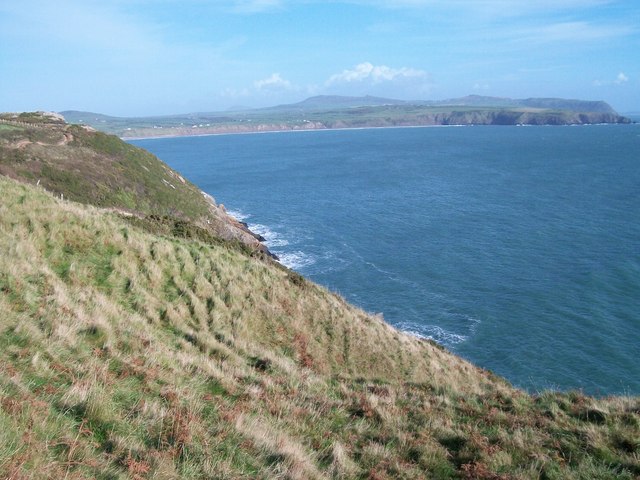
point(130, 355)
point(95, 168)
point(99, 169)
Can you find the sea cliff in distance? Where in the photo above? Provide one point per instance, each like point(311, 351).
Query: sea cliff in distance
point(335, 112)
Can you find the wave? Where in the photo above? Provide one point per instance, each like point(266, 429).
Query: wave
point(295, 260)
point(238, 215)
point(439, 334)
point(470, 322)
point(275, 241)
point(272, 239)
point(432, 332)
point(327, 261)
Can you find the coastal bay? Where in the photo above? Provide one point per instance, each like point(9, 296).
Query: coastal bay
point(504, 244)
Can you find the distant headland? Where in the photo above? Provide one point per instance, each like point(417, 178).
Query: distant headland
point(340, 112)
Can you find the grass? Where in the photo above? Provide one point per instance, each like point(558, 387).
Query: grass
point(6, 127)
point(131, 354)
point(99, 169)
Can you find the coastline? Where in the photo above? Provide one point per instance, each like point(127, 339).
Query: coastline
point(292, 130)
point(333, 129)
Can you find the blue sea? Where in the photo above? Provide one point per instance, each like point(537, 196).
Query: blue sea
point(517, 248)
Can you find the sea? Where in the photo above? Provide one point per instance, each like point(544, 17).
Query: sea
point(517, 248)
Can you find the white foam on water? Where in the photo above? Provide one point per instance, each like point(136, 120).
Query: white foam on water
point(439, 334)
point(384, 272)
point(473, 325)
point(328, 261)
point(238, 215)
point(432, 332)
point(277, 243)
point(272, 238)
point(295, 260)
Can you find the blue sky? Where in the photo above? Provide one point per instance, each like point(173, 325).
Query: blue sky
point(150, 57)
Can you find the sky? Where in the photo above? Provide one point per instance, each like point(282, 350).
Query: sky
point(154, 57)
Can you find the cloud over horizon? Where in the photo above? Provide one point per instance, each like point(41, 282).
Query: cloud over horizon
point(369, 73)
point(273, 82)
point(620, 79)
point(364, 78)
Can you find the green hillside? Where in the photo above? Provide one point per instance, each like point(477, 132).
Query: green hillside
point(129, 352)
point(87, 166)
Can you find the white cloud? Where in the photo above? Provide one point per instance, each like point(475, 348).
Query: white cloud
point(270, 87)
point(367, 72)
point(273, 82)
point(621, 78)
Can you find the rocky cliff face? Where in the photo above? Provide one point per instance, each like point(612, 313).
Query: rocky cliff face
point(486, 117)
point(537, 118)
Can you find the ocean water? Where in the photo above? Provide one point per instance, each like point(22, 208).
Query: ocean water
point(515, 247)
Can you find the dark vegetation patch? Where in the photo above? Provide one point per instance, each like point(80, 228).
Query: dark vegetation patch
point(169, 226)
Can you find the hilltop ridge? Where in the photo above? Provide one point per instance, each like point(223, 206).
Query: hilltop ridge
point(131, 350)
point(88, 166)
point(321, 102)
point(332, 111)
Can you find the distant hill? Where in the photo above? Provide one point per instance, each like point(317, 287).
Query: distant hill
point(557, 104)
point(76, 116)
point(335, 101)
point(324, 102)
point(331, 111)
